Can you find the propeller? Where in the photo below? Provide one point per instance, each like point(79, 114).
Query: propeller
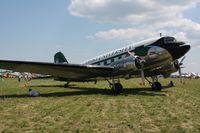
point(141, 63)
point(142, 74)
point(181, 62)
point(179, 67)
point(180, 75)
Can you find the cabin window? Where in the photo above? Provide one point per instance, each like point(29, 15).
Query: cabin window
point(112, 60)
point(127, 55)
point(119, 57)
point(109, 61)
point(123, 56)
point(98, 64)
point(105, 63)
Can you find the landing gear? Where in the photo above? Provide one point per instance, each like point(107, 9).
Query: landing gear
point(156, 86)
point(116, 86)
point(66, 85)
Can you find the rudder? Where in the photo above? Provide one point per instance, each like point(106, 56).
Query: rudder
point(60, 58)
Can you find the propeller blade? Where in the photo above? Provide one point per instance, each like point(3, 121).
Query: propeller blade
point(131, 54)
point(182, 60)
point(142, 75)
point(180, 75)
point(141, 70)
point(179, 70)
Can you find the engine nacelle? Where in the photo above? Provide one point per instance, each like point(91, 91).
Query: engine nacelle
point(127, 64)
point(167, 69)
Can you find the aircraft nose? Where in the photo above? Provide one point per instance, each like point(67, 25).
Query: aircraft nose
point(180, 51)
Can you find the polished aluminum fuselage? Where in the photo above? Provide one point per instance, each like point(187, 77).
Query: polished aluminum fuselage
point(158, 56)
point(157, 61)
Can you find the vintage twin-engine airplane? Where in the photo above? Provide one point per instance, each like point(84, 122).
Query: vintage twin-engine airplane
point(150, 58)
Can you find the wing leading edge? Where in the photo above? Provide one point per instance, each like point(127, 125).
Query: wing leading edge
point(68, 71)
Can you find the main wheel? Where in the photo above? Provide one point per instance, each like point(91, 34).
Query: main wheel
point(156, 86)
point(117, 88)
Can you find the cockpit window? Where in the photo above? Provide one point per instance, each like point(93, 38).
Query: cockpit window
point(169, 39)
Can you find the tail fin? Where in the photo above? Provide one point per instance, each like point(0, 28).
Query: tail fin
point(60, 58)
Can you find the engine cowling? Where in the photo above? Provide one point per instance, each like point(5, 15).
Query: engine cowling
point(127, 64)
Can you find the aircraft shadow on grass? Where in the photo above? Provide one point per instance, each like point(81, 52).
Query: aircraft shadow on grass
point(76, 91)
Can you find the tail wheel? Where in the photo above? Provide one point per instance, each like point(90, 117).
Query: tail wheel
point(156, 86)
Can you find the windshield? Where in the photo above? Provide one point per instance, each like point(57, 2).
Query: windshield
point(169, 40)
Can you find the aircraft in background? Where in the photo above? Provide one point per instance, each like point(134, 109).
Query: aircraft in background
point(149, 58)
point(191, 75)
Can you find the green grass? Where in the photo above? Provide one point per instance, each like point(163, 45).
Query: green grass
point(85, 107)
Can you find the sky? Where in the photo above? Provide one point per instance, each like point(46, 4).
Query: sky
point(34, 30)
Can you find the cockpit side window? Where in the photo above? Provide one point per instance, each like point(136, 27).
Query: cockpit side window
point(169, 40)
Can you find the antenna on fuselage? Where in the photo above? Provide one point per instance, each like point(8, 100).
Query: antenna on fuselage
point(160, 34)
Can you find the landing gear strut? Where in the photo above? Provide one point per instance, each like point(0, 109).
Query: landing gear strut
point(67, 84)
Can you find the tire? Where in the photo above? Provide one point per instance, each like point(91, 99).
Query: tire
point(156, 86)
point(118, 88)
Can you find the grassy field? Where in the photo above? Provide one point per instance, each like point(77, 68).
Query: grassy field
point(85, 107)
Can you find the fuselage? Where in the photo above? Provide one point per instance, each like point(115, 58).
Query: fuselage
point(158, 54)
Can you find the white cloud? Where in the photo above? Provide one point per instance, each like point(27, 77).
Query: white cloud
point(90, 37)
point(129, 11)
point(146, 18)
point(181, 36)
point(128, 33)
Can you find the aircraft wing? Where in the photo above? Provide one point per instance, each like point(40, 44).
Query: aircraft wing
point(69, 71)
